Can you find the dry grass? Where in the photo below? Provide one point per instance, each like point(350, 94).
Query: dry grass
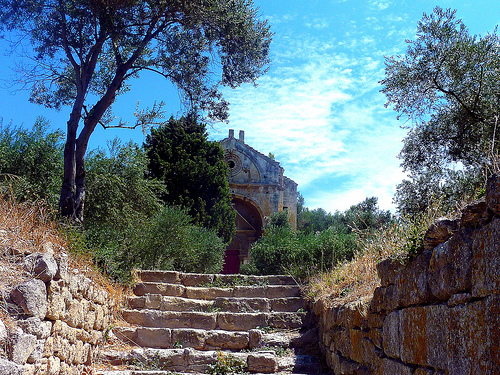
point(30, 227)
point(358, 278)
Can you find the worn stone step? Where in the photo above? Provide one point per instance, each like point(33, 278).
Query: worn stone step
point(188, 360)
point(199, 339)
point(195, 279)
point(242, 304)
point(168, 303)
point(153, 361)
point(221, 320)
point(231, 304)
point(211, 293)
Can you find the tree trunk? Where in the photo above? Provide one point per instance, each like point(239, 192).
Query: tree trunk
point(66, 202)
point(81, 149)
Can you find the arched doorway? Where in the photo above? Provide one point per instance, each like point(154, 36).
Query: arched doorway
point(249, 220)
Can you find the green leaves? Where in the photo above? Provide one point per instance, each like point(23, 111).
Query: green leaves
point(193, 171)
point(31, 162)
point(447, 85)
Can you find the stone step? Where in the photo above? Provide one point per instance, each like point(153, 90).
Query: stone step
point(231, 304)
point(220, 320)
point(211, 293)
point(196, 279)
point(190, 360)
point(199, 339)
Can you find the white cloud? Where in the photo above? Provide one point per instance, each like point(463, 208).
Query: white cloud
point(320, 112)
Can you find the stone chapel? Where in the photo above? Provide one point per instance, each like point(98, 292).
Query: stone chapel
point(259, 188)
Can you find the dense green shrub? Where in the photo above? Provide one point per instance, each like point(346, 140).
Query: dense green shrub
point(283, 250)
point(31, 162)
point(322, 242)
point(167, 241)
point(127, 227)
point(118, 193)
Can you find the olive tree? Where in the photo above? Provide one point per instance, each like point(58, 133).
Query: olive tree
point(85, 53)
point(446, 85)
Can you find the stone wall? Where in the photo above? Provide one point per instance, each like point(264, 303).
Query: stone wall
point(438, 314)
point(60, 319)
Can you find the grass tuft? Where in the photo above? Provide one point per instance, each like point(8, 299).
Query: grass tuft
point(358, 278)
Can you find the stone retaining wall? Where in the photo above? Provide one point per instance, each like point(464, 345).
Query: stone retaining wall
point(61, 320)
point(439, 314)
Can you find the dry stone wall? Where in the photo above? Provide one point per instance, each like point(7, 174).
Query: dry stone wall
point(61, 319)
point(438, 314)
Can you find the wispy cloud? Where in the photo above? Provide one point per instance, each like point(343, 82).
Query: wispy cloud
point(320, 112)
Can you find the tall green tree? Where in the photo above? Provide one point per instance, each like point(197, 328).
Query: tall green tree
point(447, 86)
point(194, 172)
point(87, 51)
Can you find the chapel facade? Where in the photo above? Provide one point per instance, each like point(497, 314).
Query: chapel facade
point(258, 188)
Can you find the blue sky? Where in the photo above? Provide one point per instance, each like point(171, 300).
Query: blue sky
point(319, 109)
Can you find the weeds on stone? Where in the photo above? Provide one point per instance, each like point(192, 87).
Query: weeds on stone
point(139, 363)
point(226, 364)
point(177, 345)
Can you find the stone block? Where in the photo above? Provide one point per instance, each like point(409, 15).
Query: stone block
point(392, 367)
point(475, 214)
point(34, 326)
point(255, 338)
point(241, 321)
point(493, 194)
point(76, 314)
point(412, 282)
point(21, 345)
point(153, 301)
point(53, 366)
point(342, 342)
point(285, 320)
point(181, 304)
point(353, 314)
point(99, 317)
point(391, 335)
point(288, 304)
point(385, 299)
point(387, 270)
point(56, 304)
point(439, 232)
point(485, 260)
point(42, 266)
point(174, 359)
point(362, 350)
point(413, 331)
point(37, 353)
point(450, 267)
point(219, 339)
point(208, 293)
point(31, 296)
point(265, 363)
point(281, 291)
point(154, 337)
point(194, 279)
point(189, 338)
point(10, 368)
point(138, 302)
point(473, 337)
point(62, 269)
point(249, 292)
point(157, 276)
point(242, 305)
point(173, 290)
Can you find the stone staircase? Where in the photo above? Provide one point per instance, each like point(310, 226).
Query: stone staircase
point(215, 324)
